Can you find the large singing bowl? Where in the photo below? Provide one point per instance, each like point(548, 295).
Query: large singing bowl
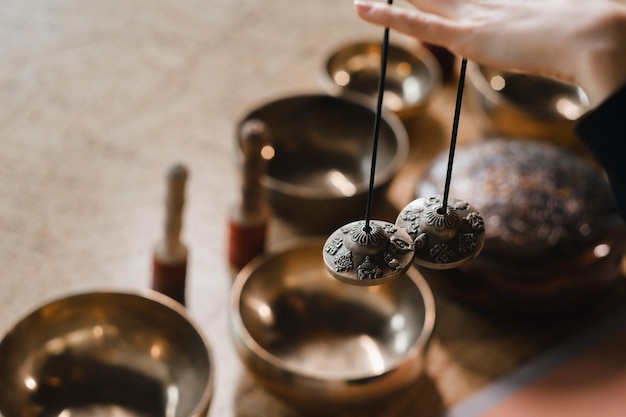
point(320, 344)
point(106, 354)
point(318, 171)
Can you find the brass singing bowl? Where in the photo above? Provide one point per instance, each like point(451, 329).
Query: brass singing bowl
point(410, 80)
point(103, 354)
point(518, 105)
point(319, 157)
point(323, 345)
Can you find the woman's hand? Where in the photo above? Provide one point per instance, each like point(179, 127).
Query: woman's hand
point(583, 42)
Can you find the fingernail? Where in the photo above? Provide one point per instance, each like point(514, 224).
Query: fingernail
point(363, 4)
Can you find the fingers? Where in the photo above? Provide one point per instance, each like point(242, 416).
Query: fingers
point(438, 7)
point(428, 27)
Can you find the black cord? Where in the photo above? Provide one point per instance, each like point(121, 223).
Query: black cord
point(379, 108)
point(455, 127)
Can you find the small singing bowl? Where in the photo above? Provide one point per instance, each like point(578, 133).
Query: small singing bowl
point(411, 76)
point(322, 345)
point(319, 157)
point(513, 104)
point(103, 354)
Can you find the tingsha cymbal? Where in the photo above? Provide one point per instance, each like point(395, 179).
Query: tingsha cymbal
point(355, 255)
point(443, 239)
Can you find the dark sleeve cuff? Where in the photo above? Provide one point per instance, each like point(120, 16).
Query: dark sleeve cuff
point(603, 131)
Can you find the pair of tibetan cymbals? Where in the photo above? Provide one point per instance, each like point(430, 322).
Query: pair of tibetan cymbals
point(426, 234)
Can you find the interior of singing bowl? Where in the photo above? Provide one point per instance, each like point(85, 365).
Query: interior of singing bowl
point(105, 354)
point(299, 319)
point(410, 78)
point(322, 146)
point(540, 97)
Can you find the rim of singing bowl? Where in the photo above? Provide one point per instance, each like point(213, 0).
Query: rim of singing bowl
point(383, 174)
point(201, 405)
point(478, 76)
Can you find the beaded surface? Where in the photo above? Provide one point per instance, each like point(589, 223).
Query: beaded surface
point(442, 239)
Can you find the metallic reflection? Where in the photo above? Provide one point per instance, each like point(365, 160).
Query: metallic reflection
point(30, 383)
point(342, 78)
point(172, 399)
point(602, 250)
point(268, 152)
point(570, 109)
point(497, 82)
point(340, 182)
point(372, 350)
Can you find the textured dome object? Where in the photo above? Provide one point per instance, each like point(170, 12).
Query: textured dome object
point(533, 197)
point(358, 256)
point(443, 239)
point(553, 235)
